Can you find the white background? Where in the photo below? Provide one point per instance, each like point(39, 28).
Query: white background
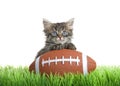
point(96, 28)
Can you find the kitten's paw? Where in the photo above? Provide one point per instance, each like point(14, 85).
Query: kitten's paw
point(70, 46)
point(57, 47)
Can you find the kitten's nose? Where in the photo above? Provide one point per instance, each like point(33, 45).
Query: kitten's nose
point(60, 37)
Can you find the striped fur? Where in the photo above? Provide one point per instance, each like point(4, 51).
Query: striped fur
point(58, 36)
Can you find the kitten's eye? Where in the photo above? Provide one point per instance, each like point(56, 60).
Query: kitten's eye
point(54, 33)
point(65, 33)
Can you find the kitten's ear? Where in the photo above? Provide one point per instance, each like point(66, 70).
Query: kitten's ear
point(70, 22)
point(46, 23)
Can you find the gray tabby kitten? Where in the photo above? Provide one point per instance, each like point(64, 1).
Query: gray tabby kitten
point(58, 36)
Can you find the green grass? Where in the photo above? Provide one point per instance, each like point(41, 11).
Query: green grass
point(102, 76)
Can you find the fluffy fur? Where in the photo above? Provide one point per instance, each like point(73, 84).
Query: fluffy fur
point(58, 36)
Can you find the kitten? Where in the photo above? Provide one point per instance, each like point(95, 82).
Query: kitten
point(58, 36)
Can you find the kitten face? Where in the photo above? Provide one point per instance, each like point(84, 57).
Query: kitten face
point(58, 33)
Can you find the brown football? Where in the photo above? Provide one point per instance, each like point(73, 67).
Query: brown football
point(63, 61)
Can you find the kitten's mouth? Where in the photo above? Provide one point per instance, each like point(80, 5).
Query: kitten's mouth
point(60, 39)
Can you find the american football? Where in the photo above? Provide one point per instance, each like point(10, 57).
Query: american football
point(63, 61)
